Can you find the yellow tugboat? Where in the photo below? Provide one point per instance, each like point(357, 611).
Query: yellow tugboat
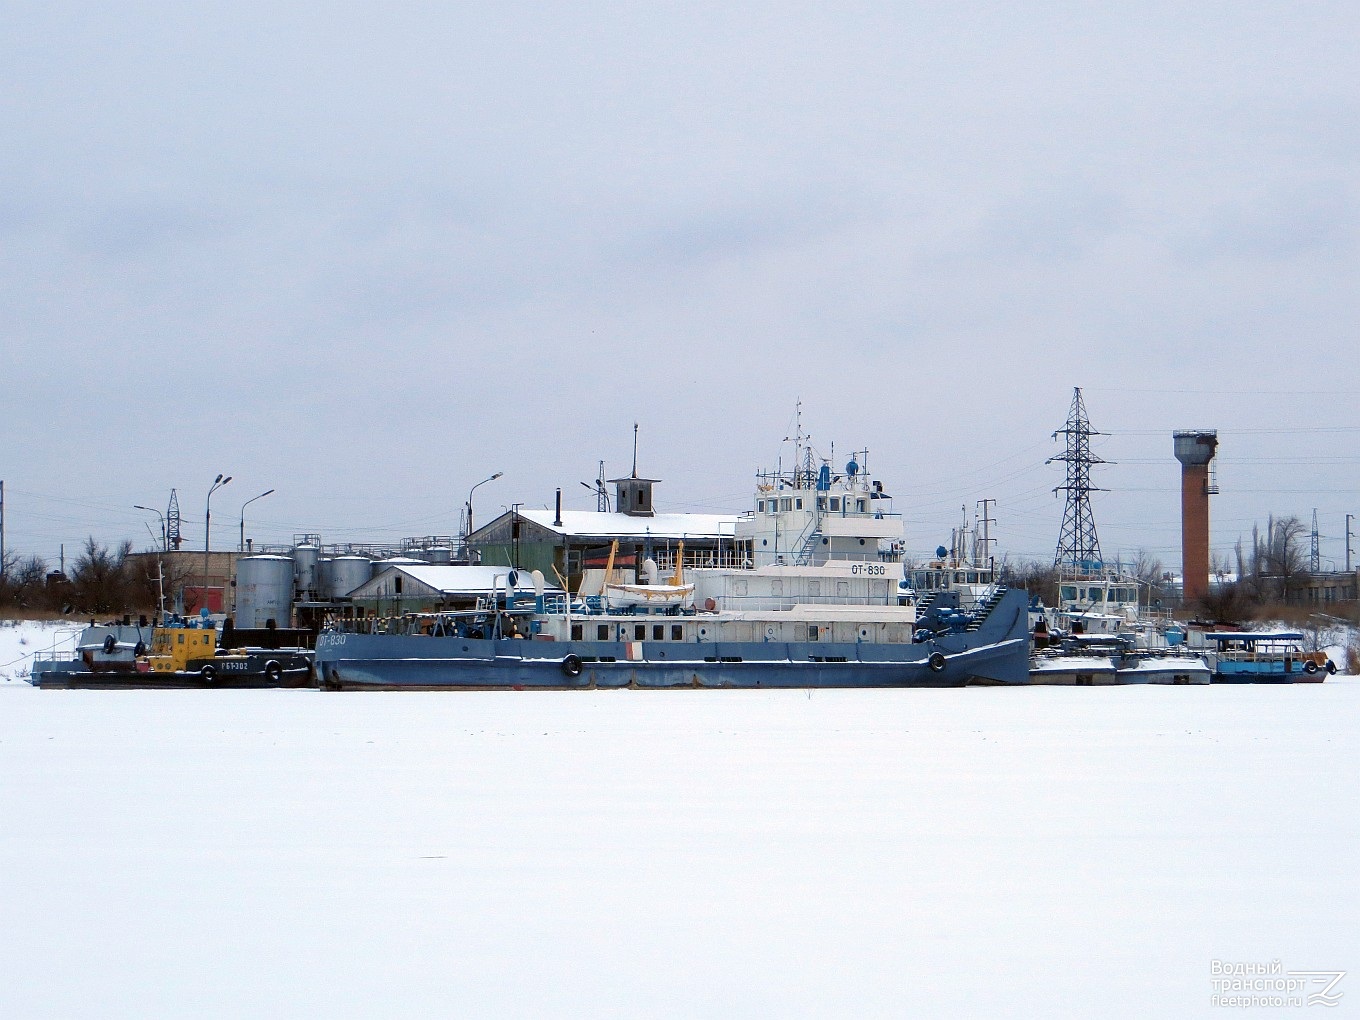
point(187, 651)
point(184, 653)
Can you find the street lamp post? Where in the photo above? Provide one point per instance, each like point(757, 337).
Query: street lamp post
point(218, 482)
point(165, 543)
point(252, 499)
point(468, 531)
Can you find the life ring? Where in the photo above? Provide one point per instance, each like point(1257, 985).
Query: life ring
point(571, 665)
point(208, 673)
point(936, 662)
point(110, 643)
point(273, 671)
point(1310, 667)
point(139, 649)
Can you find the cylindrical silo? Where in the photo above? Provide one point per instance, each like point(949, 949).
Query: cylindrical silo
point(441, 554)
point(323, 578)
point(347, 573)
point(264, 591)
point(305, 560)
point(378, 566)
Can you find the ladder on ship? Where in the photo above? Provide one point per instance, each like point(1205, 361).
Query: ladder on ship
point(923, 602)
point(985, 607)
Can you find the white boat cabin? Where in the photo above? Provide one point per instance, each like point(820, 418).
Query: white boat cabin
point(813, 515)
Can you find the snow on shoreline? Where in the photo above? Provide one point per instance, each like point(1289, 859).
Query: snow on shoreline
point(972, 852)
point(20, 640)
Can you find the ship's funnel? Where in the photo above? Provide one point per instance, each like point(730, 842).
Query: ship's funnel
point(1195, 450)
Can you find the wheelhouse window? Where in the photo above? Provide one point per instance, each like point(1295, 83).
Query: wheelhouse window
point(602, 632)
point(835, 504)
point(639, 632)
point(659, 632)
point(677, 632)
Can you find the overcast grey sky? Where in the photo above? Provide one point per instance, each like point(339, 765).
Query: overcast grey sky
point(367, 254)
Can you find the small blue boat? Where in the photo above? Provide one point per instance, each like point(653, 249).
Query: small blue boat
point(1265, 657)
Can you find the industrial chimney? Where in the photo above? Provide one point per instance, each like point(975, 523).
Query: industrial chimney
point(1195, 450)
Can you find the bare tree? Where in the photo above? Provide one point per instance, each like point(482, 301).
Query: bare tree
point(23, 584)
point(1281, 563)
point(1149, 571)
point(101, 581)
point(1033, 576)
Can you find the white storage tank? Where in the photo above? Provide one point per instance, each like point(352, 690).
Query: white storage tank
point(264, 591)
point(441, 555)
point(378, 566)
point(347, 573)
point(306, 558)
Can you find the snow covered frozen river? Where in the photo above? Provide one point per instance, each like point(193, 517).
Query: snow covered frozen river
point(976, 852)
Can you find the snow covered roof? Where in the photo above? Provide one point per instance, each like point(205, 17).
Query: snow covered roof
point(590, 523)
point(1253, 635)
point(447, 579)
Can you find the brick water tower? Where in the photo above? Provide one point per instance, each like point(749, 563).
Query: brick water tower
point(1195, 450)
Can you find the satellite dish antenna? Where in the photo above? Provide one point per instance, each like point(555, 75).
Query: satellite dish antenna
point(941, 551)
point(852, 468)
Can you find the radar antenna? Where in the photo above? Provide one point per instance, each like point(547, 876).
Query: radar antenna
point(601, 492)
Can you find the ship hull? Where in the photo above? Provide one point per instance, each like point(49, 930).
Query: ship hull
point(353, 661)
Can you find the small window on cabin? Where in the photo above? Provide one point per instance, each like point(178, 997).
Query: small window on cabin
point(1068, 592)
point(639, 632)
point(677, 632)
point(798, 504)
point(821, 502)
point(658, 632)
point(576, 632)
point(602, 632)
point(835, 504)
point(861, 505)
point(760, 506)
point(181, 639)
point(812, 632)
point(786, 503)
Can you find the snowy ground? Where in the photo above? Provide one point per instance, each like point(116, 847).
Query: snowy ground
point(978, 852)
